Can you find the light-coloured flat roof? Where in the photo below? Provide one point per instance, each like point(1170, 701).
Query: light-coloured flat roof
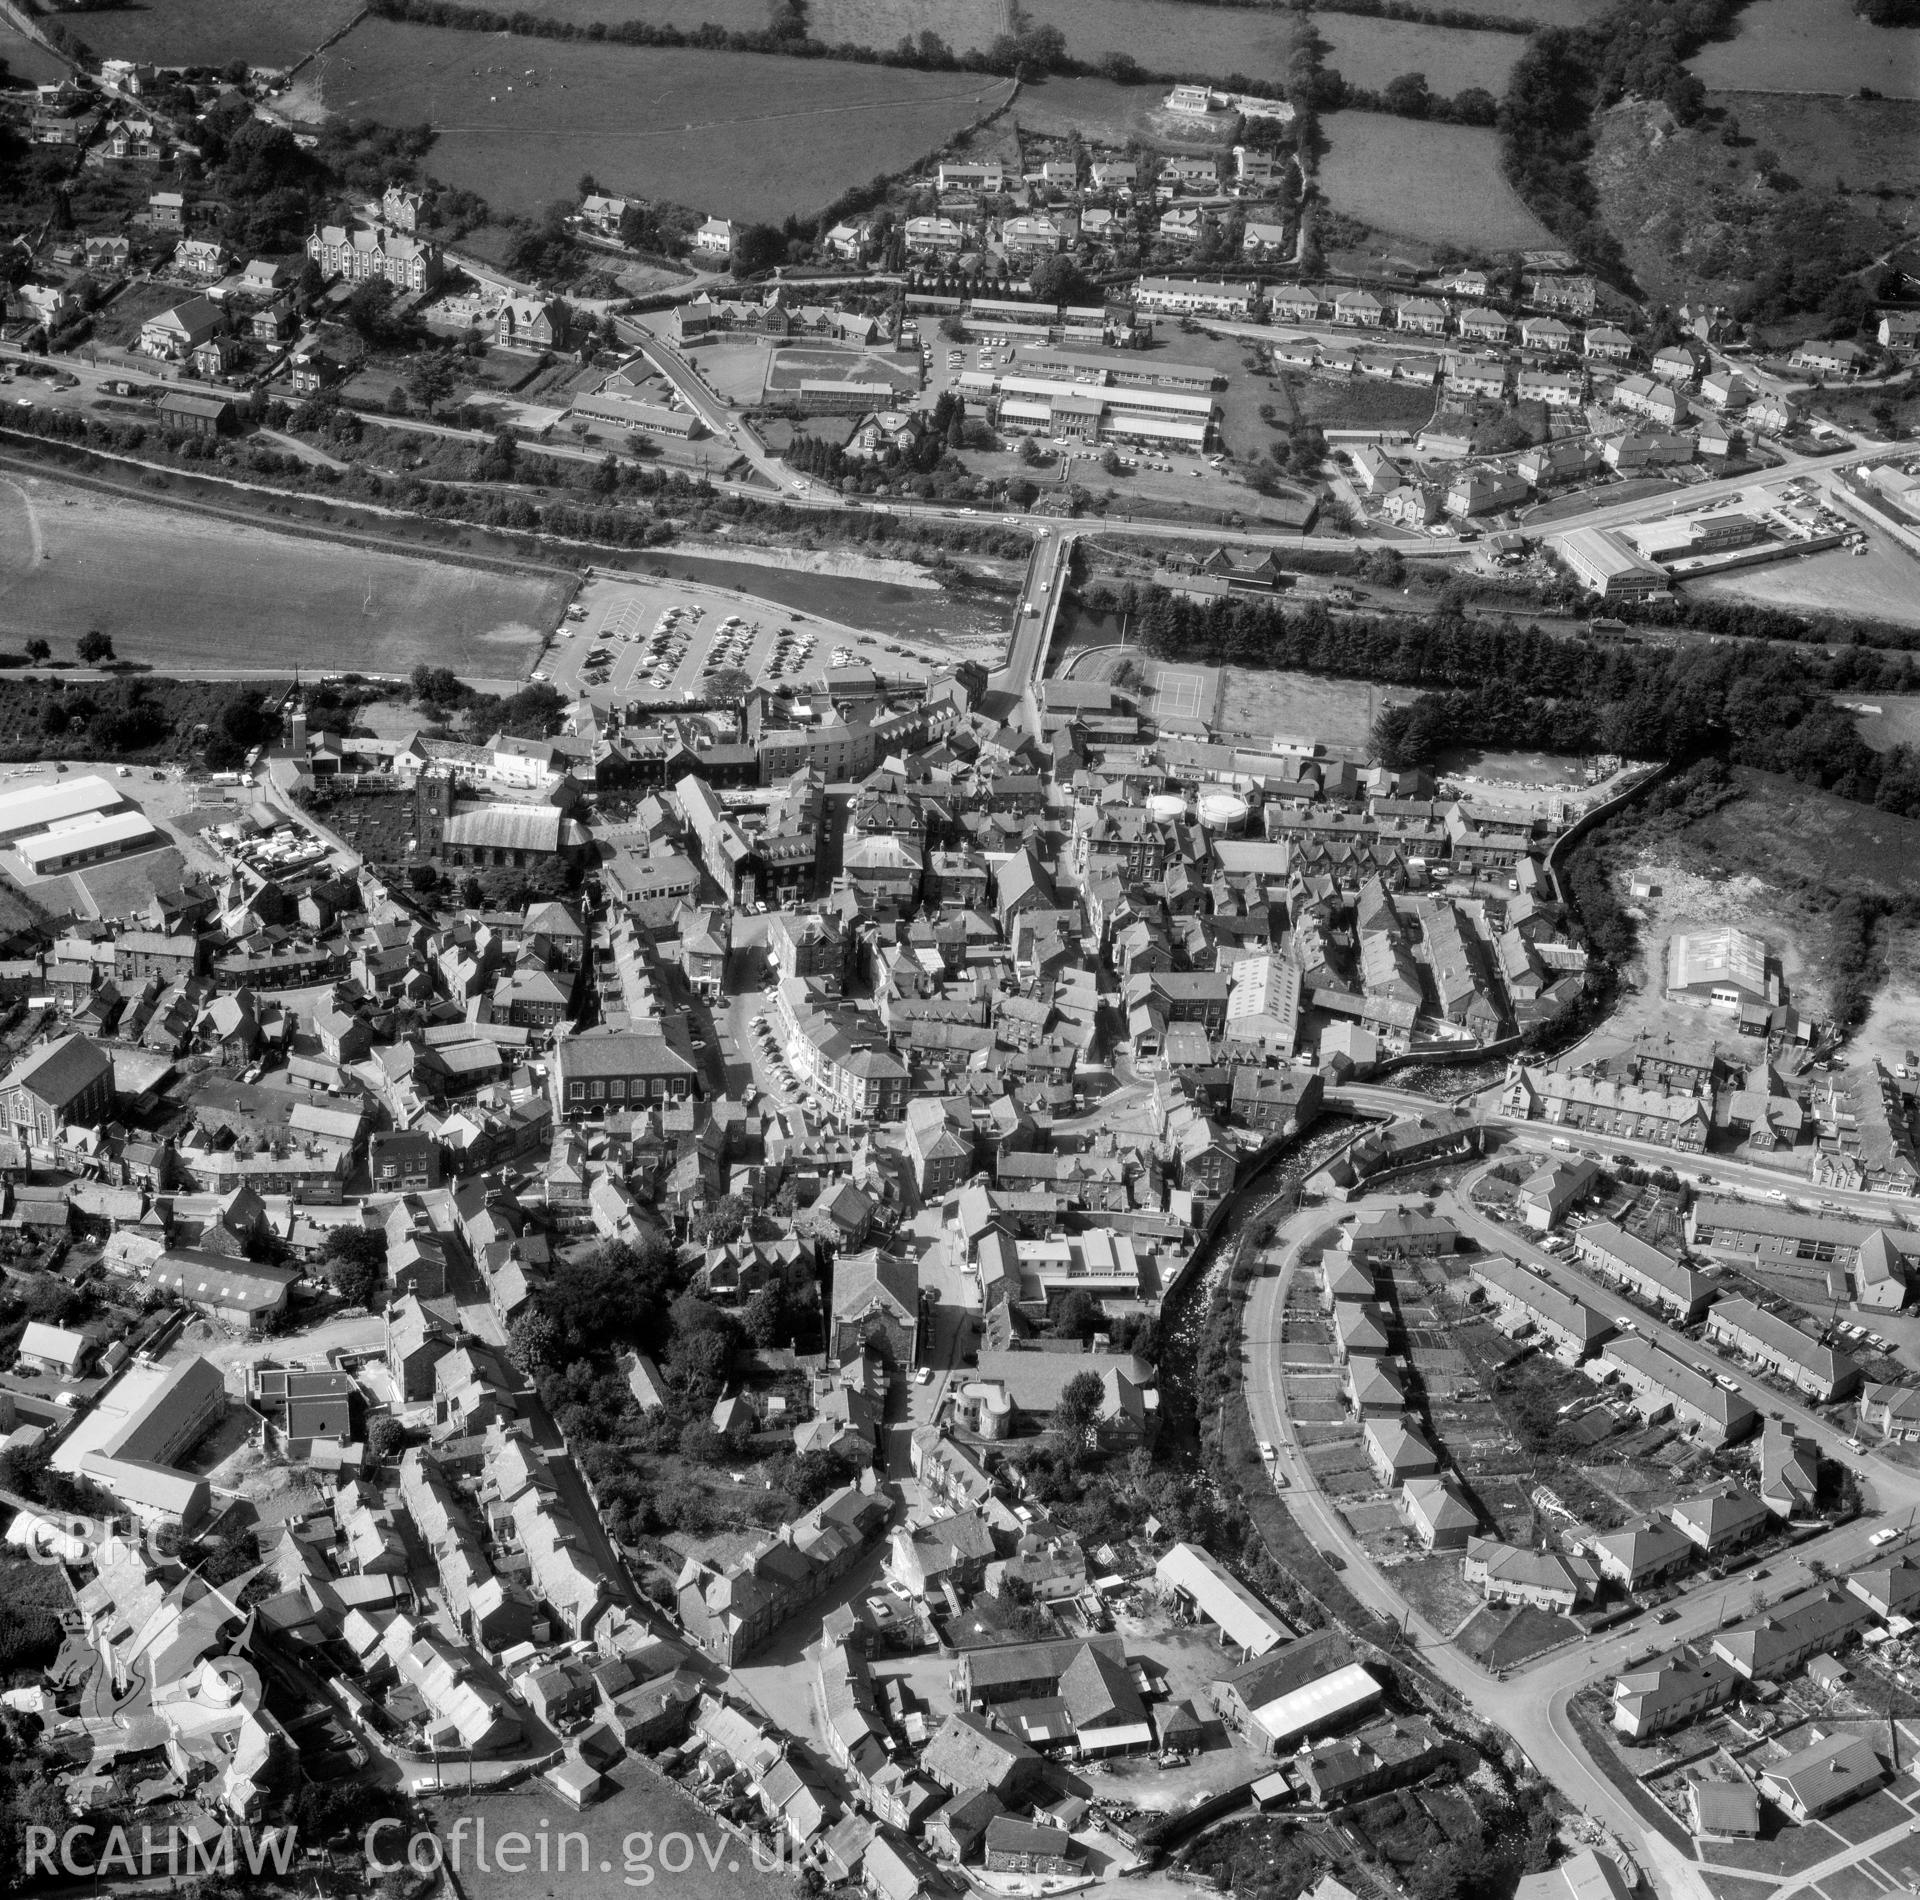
point(35, 807)
point(1318, 1703)
point(76, 835)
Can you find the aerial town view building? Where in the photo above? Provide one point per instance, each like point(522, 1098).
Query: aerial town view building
point(962, 951)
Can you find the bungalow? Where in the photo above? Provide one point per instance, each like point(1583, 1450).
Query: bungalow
point(1823, 1777)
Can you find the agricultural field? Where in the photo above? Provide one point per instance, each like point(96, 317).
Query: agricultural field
point(736, 16)
point(1812, 46)
point(1372, 53)
point(1543, 12)
point(1868, 144)
point(212, 32)
point(27, 61)
point(1411, 178)
point(743, 135)
point(178, 590)
point(1176, 36)
point(965, 25)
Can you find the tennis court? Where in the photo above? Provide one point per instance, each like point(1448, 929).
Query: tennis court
point(1185, 695)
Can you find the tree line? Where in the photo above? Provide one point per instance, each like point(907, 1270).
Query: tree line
point(1500, 685)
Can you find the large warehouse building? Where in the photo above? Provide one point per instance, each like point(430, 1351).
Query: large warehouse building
point(1083, 411)
point(38, 808)
point(71, 823)
point(1604, 564)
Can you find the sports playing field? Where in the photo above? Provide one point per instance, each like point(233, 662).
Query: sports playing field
point(1186, 696)
point(790, 368)
point(179, 590)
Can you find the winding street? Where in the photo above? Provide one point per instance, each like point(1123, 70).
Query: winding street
point(1531, 1703)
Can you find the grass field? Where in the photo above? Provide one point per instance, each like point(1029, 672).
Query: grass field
point(1876, 586)
point(1896, 723)
point(1441, 183)
point(1546, 12)
point(963, 24)
point(1349, 403)
point(26, 61)
point(1106, 114)
point(1179, 36)
point(743, 135)
point(1262, 705)
point(211, 32)
point(1812, 46)
point(177, 590)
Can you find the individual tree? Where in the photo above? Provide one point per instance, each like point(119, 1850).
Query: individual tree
point(38, 650)
point(764, 1318)
point(1078, 1316)
point(1076, 1416)
point(386, 1439)
point(94, 647)
point(757, 248)
point(353, 1260)
point(1408, 95)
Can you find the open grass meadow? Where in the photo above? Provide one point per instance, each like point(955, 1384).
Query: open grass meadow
point(1107, 114)
point(1414, 179)
point(178, 590)
point(28, 62)
point(744, 135)
point(1182, 36)
point(211, 32)
point(1812, 46)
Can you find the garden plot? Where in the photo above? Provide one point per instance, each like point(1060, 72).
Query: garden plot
point(1379, 1527)
point(1437, 1590)
point(1342, 1471)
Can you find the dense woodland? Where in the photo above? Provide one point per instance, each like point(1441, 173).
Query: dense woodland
point(1507, 686)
